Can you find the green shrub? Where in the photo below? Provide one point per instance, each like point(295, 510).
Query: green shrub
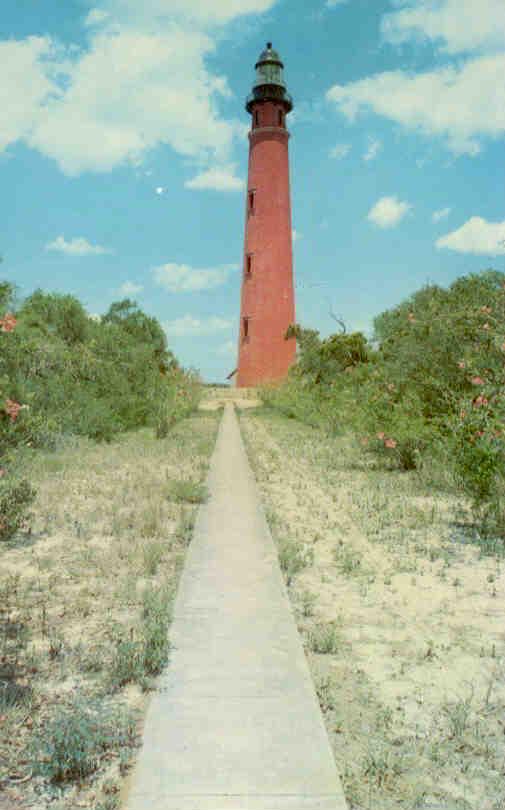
point(16, 496)
point(154, 628)
point(71, 745)
point(293, 558)
point(436, 355)
point(127, 663)
point(183, 491)
point(143, 653)
point(325, 639)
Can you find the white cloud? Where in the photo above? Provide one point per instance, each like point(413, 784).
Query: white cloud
point(437, 216)
point(142, 80)
point(202, 12)
point(476, 236)
point(388, 212)
point(183, 278)
point(160, 190)
point(216, 179)
point(130, 288)
point(79, 246)
point(130, 92)
point(27, 82)
point(341, 150)
point(374, 147)
point(189, 326)
point(457, 25)
point(460, 104)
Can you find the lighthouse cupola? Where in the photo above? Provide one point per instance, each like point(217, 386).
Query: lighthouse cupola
point(269, 84)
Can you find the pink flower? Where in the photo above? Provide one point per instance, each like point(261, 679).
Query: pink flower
point(487, 310)
point(390, 443)
point(479, 433)
point(486, 326)
point(462, 364)
point(364, 441)
point(8, 323)
point(480, 401)
point(381, 436)
point(411, 317)
point(391, 387)
point(462, 414)
point(478, 381)
point(12, 409)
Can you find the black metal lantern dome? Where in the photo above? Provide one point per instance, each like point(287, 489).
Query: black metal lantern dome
point(269, 84)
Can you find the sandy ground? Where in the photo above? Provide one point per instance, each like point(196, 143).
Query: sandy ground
point(403, 622)
point(215, 398)
point(110, 525)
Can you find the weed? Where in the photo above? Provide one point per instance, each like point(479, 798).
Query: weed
point(325, 638)
point(15, 498)
point(347, 559)
point(152, 554)
point(382, 764)
point(458, 715)
point(13, 695)
point(154, 627)
point(293, 558)
point(71, 746)
point(325, 689)
point(151, 521)
point(144, 652)
point(184, 532)
point(127, 662)
point(183, 491)
point(308, 601)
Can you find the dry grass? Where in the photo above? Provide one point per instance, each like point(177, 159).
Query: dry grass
point(85, 601)
point(402, 619)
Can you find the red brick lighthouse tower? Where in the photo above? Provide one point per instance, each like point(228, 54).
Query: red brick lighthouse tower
point(267, 300)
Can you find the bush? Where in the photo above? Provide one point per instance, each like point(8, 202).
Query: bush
point(183, 491)
point(16, 496)
point(71, 746)
point(325, 639)
point(293, 558)
point(432, 384)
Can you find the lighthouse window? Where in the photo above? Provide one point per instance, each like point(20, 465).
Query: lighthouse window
point(246, 328)
point(248, 265)
point(281, 119)
point(251, 202)
point(256, 118)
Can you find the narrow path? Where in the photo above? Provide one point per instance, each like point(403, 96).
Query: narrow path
point(235, 724)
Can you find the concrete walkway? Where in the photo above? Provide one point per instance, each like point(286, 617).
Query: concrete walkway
point(236, 724)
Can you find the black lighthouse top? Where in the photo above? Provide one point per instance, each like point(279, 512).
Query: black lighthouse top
point(269, 84)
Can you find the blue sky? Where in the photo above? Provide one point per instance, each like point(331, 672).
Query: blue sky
point(123, 153)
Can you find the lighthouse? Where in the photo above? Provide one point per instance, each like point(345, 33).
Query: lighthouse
point(267, 306)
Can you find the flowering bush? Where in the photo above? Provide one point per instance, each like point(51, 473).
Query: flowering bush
point(431, 385)
point(16, 494)
point(62, 372)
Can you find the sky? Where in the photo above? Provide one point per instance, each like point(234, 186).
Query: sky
point(123, 154)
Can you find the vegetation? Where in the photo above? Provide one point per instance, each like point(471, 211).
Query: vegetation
point(429, 387)
point(399, 614)
point(63, 372)
point(85, 607)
